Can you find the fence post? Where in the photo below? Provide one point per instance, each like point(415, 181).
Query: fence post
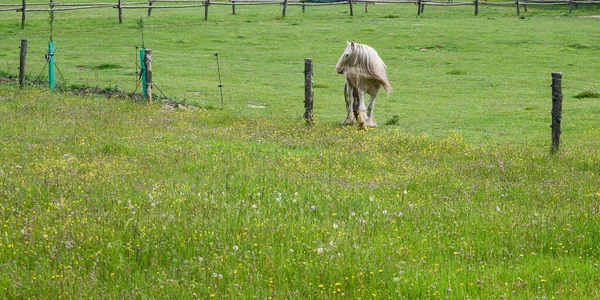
point(351, 7)
point(120, 7)
point(308, 93)
point(150, 2)
point(22, 60)
point(557, 98)
point(303, 6)
point(23, 14)
point(233, 7)
point(570, 6)
point(518, 8)
point(476, 7)
point(143, 72)
point(366, 7)
point(419, 4)
point(148, 64)
point(284, 8)
point(50, 58)
point(206, 4)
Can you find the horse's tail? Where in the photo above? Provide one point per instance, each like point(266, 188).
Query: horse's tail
point(385, 83)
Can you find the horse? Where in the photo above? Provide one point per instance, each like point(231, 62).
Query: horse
point(365, 73)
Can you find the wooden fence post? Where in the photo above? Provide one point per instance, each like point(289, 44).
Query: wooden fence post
point(23, 14)
point(22, 61)
point(557, 98)
point(120, 7)
point(150, 2)
point(476, 7)
point(419, 5)
point(148, 64)
point(308, 93)
point(570, 6)
point(284, 8)
point(206, 4)
point(351, 7)
point(233, 7)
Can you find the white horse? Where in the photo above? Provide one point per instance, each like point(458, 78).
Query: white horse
point(365, 74)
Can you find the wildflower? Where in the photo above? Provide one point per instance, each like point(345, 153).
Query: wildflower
point(320, 250)
point(235, 248)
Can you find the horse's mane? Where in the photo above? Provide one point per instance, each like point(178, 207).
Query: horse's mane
point(365, 62)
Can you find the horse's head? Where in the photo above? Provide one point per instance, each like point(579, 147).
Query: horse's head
point(340, 67)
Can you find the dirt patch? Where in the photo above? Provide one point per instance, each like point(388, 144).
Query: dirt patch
point(79, 90)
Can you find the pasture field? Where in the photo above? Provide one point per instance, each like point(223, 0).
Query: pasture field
point(113, 198)
point(486, 77)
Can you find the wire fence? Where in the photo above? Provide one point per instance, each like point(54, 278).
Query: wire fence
point(23, 7)
point(198, 76)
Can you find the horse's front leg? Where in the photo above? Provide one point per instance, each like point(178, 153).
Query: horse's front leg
point(349, 96)
point(362, 110)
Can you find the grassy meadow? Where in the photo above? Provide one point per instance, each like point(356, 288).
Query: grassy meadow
point(460, 198)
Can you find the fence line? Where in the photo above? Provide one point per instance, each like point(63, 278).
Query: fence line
point(173, 4)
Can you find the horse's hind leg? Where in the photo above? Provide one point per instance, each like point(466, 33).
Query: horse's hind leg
point(370, 117)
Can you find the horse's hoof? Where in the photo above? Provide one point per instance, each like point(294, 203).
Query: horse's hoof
point(349, 122)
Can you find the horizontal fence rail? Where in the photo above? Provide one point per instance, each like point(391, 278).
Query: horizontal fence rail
point(24, 7)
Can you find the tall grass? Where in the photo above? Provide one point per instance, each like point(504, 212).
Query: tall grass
point(115, 199)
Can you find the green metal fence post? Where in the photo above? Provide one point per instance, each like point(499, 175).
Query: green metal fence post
point(51, 81)
point(143, 73)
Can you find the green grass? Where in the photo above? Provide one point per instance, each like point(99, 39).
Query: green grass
point(486, 77)
point(457, 198)
point(113, 198)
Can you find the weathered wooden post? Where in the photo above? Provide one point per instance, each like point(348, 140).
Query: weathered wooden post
point(284, 8)
point(206, 4)
point(366, 7)
point(351, 7)
point(23, 14)
point(233, 7)
point(557, 98)
point(518, 7)
point(476, 7)
point(22, 60)
point(570, 6)
point(308, 93)
point(148, 64)
point(150, 2)
point(303, 6)
point(120, 8)
point(419, 6)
